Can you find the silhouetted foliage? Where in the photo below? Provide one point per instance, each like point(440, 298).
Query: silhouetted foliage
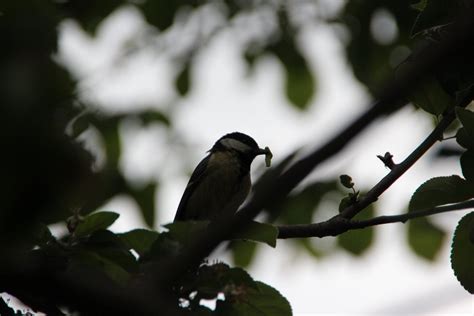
point(47, 176)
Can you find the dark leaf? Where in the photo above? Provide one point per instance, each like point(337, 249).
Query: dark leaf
point(145, 198)
point(439, 191)
point(463, 138)
point(93, 260)
point(185, 231)
point(42, 235)
point(467, 165)
point(420, 6)
point(300, 83)
point(431, 97)
point(164, 246)
point(345, 203)
point(139, 240)
point(212, 279)
point(243, 252)
point(346, 181)
point(465, 135)
point(95, 222)
point(183, 80)
point(358, 241)
point(109, 246)
point(435, 13)
point(113, 145)
point(259, 232)
point(462, 252)
point(89, 13)
point(79, 125)
point(371, 61)
point(299, 208)
point(424, 238)
point(263, 301)
point(162, 13)
point(154, 117)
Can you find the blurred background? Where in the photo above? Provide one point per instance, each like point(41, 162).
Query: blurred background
point(147, 87)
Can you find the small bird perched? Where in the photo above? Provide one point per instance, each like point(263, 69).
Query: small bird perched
point(221, 181)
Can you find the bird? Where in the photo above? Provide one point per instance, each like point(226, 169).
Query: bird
point(221, 182)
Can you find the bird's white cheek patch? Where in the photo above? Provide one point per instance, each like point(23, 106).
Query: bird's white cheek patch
point(235, 144)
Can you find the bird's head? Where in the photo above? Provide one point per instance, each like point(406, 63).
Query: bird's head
point(241, 145)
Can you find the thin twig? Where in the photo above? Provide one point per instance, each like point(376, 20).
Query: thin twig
point(338, 225)
point(402, 218)
point(399, 169)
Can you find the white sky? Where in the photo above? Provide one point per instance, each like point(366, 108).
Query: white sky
point(389, 280)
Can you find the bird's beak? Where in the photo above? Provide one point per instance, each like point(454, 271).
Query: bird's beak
point(268, 155)
point(261, 151)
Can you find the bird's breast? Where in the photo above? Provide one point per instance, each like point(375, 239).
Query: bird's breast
point(223, 189)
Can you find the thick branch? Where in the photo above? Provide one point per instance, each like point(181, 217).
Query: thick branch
point(338, 225)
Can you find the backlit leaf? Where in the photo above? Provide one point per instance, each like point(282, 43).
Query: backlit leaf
point(358, 241)
point(95, 222)
point(424, 238)
point(260, 232)
point(139, 240)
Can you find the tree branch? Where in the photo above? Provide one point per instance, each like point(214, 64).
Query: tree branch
point(399, 169)
point(338, 225)
point(327, 229)
point(402, 218)
point(391, 99)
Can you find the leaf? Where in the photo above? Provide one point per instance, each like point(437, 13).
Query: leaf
point(213, 279)
point(431, 97)
point(41, 234)
point(162, 13)
point(113, 144)
point(183, 80)
point(242, 252)
point(259, 232)
point(439, 191)
point(95, 222)
point(435, 13)
point(299, 208)
point(463, 139)
point(185, 231)
point(467, 120)
point(79, 125)
point(300, 83)
point(420, 6)
point(139, 240)
point(108, 245)
point(424, 238)
point(145, 198)
point(262, 301)
point(346, 181)
point(95, 261)
point(164, 246)
point(148, 117)
point(467, 165)
point(358, 241)
point(462, 252)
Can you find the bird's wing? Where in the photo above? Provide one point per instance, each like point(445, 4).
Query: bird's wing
point(196, 177)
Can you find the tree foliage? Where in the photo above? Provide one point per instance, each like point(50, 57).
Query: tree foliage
point(49, 177)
